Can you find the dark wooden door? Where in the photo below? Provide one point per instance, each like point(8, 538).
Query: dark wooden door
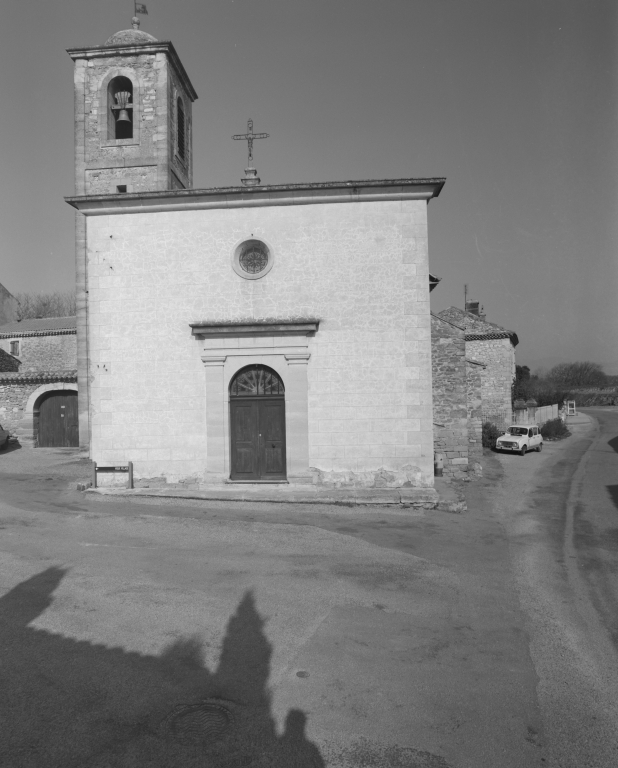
point(58, 423)
point(258, 439)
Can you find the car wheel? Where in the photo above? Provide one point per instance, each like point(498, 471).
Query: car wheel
point(523, 450)
point(540, 448)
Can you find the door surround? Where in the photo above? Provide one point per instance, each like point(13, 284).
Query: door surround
point(283, 346)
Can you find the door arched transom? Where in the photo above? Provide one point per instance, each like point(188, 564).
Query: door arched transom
point(257, 425)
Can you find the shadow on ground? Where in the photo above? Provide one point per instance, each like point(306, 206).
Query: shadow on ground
point(10, 447)
point(72, 703)
point(613, 493)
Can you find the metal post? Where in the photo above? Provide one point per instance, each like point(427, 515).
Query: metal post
point(130, 482)
point(94, 474)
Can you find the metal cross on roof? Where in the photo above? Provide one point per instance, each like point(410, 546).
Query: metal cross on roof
point(251, 178)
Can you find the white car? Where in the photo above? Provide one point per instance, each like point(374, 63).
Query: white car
point(521, 438)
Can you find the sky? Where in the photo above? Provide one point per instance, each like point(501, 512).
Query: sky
point(513, 101)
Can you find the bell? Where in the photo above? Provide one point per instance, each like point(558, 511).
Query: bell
point(123, 98)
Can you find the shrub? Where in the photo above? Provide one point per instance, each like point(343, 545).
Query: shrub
point(555, 429)
point(490, 434)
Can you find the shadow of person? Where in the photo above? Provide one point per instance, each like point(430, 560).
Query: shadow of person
point(73, 703)
point(613, 493)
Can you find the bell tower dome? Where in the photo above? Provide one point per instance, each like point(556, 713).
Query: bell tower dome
point(133, 129)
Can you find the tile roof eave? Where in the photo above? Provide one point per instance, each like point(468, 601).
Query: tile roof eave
point(34, 377)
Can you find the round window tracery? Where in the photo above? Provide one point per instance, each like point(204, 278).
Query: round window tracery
point(252, 259)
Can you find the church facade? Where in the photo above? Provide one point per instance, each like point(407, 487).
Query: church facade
point(263, 333)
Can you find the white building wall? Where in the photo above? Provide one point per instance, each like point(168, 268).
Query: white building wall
point(360, 268)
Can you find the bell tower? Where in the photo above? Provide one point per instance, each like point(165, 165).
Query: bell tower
point(133, 134)
point(133, 129)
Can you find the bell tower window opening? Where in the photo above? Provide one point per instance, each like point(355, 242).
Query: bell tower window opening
point(180, 129)
point(120, 101)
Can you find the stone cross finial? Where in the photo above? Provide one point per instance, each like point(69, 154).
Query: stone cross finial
point(251, 178)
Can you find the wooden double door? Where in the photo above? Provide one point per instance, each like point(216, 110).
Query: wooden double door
point(58, 421)
point(258, 438)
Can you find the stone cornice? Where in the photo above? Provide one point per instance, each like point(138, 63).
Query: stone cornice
point(38, 377)
point(265, 195)
point(55, 332)
point(207, 329)
point(135, 49)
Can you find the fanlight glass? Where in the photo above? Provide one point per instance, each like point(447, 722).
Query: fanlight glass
point(256, 381)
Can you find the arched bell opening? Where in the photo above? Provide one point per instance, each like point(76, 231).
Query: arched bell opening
point(120, 101)
point(181, 131)
point(257, 425)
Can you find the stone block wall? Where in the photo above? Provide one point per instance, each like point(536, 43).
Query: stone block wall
point(450, 413)
point(146, 161)
point(137, 178)
point(359, 268)
point(7, 361)
point(13, 399)
point(498, 355)
point(474, 372)
point(57, 352)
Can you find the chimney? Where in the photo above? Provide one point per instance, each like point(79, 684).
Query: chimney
point(475, 308)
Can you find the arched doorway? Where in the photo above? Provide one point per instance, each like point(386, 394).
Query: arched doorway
point(257, 425)
point(58, 425)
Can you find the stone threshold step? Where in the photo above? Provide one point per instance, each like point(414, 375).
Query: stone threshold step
point(413, 497)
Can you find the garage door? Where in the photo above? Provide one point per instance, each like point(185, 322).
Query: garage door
point(58, 425)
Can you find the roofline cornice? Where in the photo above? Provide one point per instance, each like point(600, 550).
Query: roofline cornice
point(160, 46)
point(262, 196)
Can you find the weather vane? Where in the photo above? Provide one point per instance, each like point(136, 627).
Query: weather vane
point(138, 8)
point(251, 178)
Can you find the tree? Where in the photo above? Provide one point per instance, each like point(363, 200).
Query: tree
point(54, 304)
point(522, 386)
point(577, 375)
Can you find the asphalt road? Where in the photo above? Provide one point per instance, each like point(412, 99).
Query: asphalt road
point(563, 534)
point(266, 635)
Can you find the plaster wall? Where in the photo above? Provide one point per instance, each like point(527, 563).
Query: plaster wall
point(360, 268)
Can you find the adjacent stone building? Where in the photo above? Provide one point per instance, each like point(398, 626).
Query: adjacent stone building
point(456, 401)
point(38, 381)
point(494, 346)
point(254, 333)
point(8, 306)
